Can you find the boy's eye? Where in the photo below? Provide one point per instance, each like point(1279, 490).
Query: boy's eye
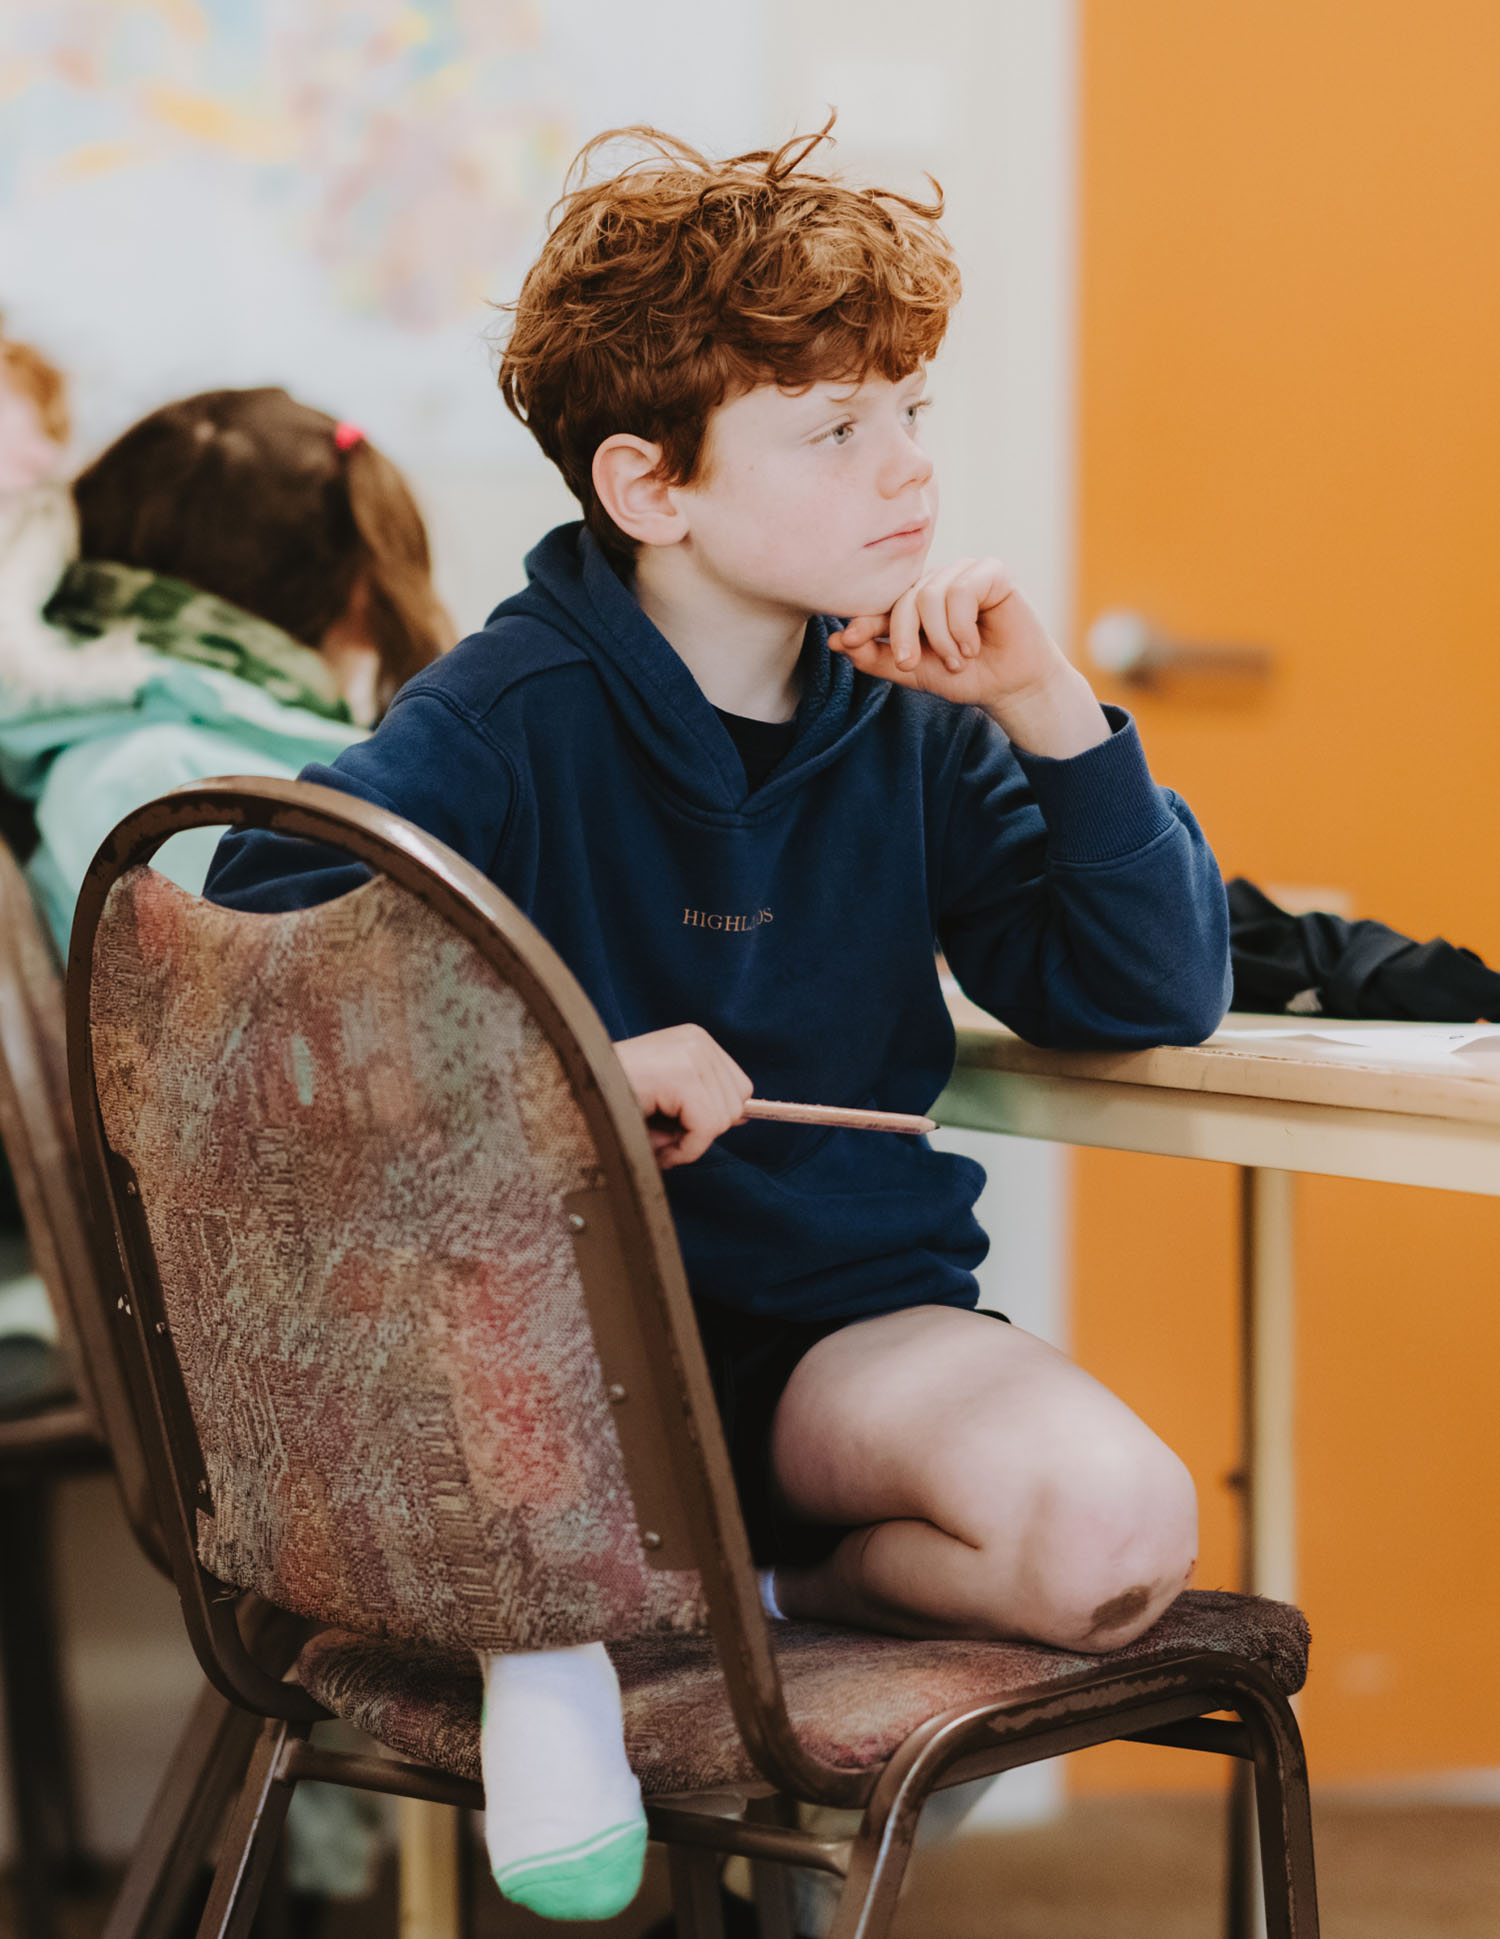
point(914, 411)
point(840, 434)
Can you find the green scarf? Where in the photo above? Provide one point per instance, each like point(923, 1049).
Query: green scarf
point(95, 596)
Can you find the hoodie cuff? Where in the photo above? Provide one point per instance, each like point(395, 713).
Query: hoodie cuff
point(1102, 804)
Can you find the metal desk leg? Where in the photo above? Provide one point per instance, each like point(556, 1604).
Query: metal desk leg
point(431, 1901)
point(1268, 1320)
point(1268, 1475)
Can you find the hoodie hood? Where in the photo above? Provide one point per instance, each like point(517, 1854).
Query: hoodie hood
point(574, 588)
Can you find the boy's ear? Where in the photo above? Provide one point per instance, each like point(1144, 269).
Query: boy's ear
point(628, 479)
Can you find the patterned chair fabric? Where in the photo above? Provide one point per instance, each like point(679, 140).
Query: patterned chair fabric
point(352, 1141)
point(853, 1697)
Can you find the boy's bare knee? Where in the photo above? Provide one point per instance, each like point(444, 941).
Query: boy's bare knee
point(1111, 1542)
point(1126, 1548)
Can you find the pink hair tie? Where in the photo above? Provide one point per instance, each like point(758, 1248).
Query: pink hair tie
point(347, 435)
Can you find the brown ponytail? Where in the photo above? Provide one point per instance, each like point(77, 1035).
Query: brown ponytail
point(248, 495)
point(405, 619)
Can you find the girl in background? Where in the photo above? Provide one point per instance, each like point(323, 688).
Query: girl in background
point(239, 584)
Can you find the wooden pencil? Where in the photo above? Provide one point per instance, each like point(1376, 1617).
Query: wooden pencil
point(839, 1114)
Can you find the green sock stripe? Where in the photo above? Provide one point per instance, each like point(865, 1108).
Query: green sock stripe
point(571, 1854)
point(591, 1888)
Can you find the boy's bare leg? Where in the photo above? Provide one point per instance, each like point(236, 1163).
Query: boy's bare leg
point(996, 1490)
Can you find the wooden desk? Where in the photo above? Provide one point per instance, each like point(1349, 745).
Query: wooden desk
point(1274, 1109)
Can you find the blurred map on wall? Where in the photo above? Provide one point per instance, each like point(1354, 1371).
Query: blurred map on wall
point(329, 194)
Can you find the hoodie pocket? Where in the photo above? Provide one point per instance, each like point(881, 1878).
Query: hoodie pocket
point(774, 1148)
point(864, 1220)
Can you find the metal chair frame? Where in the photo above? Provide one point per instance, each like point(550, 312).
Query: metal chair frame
point(675, 1462)
point(57, 1439)
point(85, 1434)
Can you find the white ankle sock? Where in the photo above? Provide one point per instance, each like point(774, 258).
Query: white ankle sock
point(767, 1580)
point(562, 1808)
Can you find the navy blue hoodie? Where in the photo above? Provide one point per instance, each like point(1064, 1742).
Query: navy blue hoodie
point(568, 752)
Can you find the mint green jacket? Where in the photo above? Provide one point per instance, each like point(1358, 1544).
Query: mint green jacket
point(117, 685)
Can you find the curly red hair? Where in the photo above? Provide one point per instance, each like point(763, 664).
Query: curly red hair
point(678, 282)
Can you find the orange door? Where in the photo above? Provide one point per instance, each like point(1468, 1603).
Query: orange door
point(1290, 435)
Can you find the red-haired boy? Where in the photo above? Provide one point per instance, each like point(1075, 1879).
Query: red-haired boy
point(744, 759)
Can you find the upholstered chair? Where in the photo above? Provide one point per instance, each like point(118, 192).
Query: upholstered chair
point(406, 1298)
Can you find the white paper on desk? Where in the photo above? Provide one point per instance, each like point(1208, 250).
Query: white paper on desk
point(1414, 1043)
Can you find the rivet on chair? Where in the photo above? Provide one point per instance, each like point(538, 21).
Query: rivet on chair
point(650, 1539)
point(120, 1303)
point(616, 1392)
point(577, 1221)
point(202, 1487)
point(131, 1188)
point(161, 1326)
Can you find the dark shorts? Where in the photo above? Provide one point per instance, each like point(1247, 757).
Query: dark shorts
point(751, 1357)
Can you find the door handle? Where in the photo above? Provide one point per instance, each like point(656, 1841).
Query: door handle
point(1130, 647)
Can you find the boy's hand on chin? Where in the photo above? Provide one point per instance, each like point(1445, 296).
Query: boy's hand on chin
point(964, 632)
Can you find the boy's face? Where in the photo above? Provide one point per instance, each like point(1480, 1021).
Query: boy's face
point(820, 501)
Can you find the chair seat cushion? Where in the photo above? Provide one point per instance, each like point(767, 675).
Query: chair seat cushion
point(853, 1696)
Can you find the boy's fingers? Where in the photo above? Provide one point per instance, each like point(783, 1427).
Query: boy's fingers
point(871, 658)
point(965, 597)
point(734, 1113)
point(679, 1145)
point(721, 1082)
point(963, 614)
point(877, 657)
point(905, 631)
point(991, 582)
point(873, 630)
point(707, 1125)
point(932, 610)
point(709, 1100)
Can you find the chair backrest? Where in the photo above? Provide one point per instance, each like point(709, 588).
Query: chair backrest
point(81, 1275)
point(404, 1280)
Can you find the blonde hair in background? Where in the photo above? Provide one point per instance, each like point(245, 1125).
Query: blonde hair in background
point(26, 370)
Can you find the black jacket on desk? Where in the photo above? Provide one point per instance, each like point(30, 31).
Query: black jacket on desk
point(567, 752)
point(1320, 964)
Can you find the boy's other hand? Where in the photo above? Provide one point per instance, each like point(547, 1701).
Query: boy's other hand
point(682, 1075)
point(964, 631)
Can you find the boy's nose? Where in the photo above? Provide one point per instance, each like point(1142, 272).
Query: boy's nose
point(908, 465)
